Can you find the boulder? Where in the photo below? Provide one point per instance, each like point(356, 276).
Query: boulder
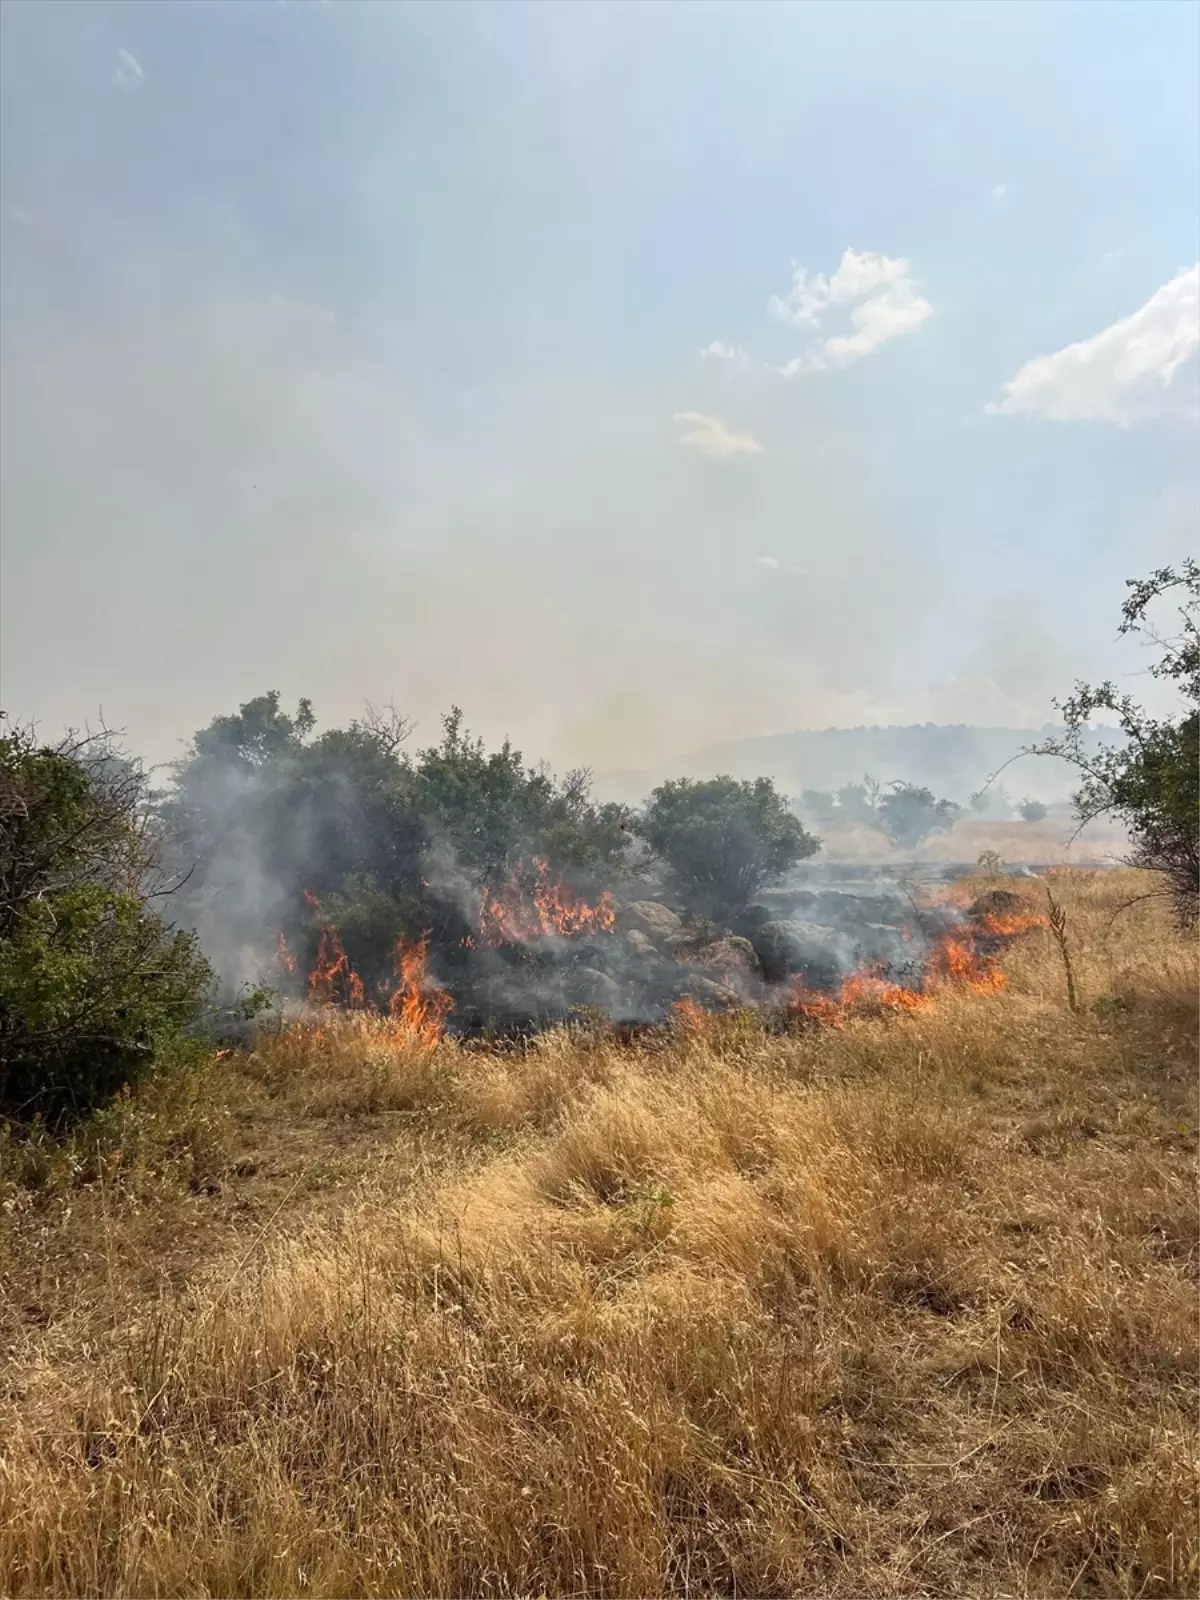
point(753, 918)
point(640, 944)
point(837, 908)
point(658, 922)
point(706, 991)
point(798, 948)
point(590, 987)
point(730, 957)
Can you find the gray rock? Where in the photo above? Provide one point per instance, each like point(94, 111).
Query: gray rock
point(802, 949)
point(658, 922)
point(592, 988)
point(694, 985)
point(753, 917)
point(640, 944)
point(838, 909)
point(730, 958)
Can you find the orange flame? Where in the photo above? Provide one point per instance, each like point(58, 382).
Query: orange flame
point(418, 1005)
point(284, 956)
point(533, 905)
point(956, 960)
point(690, 1017)
point(333, 981)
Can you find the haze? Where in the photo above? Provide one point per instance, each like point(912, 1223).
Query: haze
point(634, 376)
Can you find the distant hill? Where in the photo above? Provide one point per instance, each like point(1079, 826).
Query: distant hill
point(953, 760)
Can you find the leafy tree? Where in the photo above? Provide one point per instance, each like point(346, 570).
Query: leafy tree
point(1150, 782)
point(280, 828)
point(858, 803)
point(286, 830)
point(909, 813)
point(494, 813)
point(93, 983)
point(722, 840)
point(992, 801)
point(819, 806)
point(1033, 810)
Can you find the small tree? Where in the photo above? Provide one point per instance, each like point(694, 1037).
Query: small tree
point(858, 803)
point(92, 981)
point(1151, 783)
point(721, 840)
point(910, 813)
point(819, 806)
point(1033, 810)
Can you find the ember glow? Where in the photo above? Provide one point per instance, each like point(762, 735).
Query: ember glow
point(534, 905)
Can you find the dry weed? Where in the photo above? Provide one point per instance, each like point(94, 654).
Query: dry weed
point(908, 1308)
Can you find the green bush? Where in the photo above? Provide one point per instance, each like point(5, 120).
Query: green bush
point(92, 981)
point(721, 840)
point(285, 830)
point(1151, 782)
point(909, 813)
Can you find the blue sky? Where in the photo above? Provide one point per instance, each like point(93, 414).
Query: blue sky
point(356, 350)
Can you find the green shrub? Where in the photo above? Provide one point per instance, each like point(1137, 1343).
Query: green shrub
point(93, 982)
point(721, 840)
point(1151, 782)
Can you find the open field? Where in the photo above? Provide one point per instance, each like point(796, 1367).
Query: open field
point(902, 1307)
point(1054, 840)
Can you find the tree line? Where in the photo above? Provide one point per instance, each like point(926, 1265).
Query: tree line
point(119, 898)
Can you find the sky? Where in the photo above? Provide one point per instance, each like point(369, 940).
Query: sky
point(634, 376)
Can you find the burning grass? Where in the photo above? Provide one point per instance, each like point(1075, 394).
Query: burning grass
point(904, 1306)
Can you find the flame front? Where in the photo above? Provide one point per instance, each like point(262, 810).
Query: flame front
point(418, 1005)
point(333, 981)
point(534, 905)
point(956, 960)
point(284, 957)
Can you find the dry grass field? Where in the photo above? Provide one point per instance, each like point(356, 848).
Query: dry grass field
point(1054, 840)
point(902, 1307)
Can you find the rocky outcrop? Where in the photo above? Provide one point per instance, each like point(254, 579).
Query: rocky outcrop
point(658, 922)
point(595, 988)
point(800, 949)
point(693, 984)
point(729, 959)
point(640, 944)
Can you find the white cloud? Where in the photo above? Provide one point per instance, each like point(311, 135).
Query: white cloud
point(128, 72)
point(885, 301)
point(718, 351)
point(774, 564)
point(713, 438)
point(1000, 191)
point(1142, 366)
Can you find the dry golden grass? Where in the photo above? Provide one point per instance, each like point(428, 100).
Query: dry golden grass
point(907, 1308)
point(1054, 839)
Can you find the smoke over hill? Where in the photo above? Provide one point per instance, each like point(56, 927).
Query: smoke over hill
point(954, 760)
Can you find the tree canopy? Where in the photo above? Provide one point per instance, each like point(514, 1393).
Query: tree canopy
point(722, 840)
point(909, 813)
point(93, 982)
point(287, 828)
point(1150, 782)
